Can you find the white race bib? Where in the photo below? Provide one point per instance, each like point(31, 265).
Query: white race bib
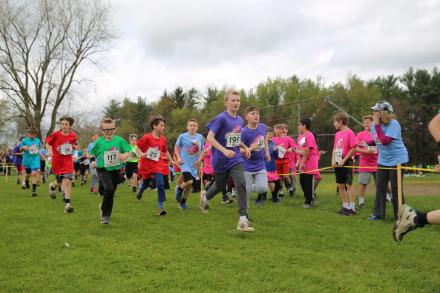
point(66, 149)
point(281, 152)
point(153, 154)
point(260, 144)
point(111, 159)
point(372, 148)
point(338, 155)
point(33, 149)
point(233, 139)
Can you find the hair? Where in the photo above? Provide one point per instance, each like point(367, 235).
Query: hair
point(68, 119)
point(278, 126)
point(107, 120)
point(32, 130)
point(231, 93)
point(307, 122)
point(249, 109)
point(386, 117)
point(368, 117)
point(155, 120)
point(284, 125)
point(342, 117)
point(192, 120)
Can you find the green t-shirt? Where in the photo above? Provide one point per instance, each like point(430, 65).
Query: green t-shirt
point(133, 156)
point(105, 151)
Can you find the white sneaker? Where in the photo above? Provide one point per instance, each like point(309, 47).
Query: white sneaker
point(204, 204)
point(405, 222)
point(68, 208)
point(52, 191)
point(244, 226)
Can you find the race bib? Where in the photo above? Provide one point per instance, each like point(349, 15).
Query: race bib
point(281, 152)
point(111, 159)
point(338, 155)
point(372, 148)
point(260, 144)
point(233, 139)
point(153, 154)
point(33, 149)
point(66, 149)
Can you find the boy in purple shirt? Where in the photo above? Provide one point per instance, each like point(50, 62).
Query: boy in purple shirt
point(254, 137)
point(225, 137)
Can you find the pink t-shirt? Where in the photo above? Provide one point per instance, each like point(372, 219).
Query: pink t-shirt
point(292, 156)
point(366, 160)
point(307, 141)
point(207, 160)
point(344, 142)
point(283, 143)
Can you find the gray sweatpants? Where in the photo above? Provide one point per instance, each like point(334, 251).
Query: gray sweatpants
point(237, 174)
point(260, 178)
point(94, 183)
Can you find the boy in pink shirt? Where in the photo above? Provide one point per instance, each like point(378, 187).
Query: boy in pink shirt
point(292, 156)
point(284, 146)
point(308, 160)
point(367, 160)
point(343, 149)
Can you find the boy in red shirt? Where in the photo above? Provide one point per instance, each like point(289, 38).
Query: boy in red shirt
point(59, 146)
point(151, 149)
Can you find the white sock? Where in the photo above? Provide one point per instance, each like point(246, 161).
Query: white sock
point(352, 206)
point(345, 205)
point(243, 219)
point(361, 200)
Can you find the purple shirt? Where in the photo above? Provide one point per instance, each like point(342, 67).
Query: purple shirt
point(18, 158)
point(250, 136)
point(227, 131)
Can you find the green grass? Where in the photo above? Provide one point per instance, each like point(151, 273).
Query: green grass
point(293, 250)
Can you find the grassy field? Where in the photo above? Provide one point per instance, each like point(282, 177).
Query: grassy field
point(293, 250)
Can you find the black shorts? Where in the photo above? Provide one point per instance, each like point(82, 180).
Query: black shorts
point(76, 166)
point(83, 169)
point(187, 176)
point(208, 177)
point(344, 175)
point(42, 165)
point(130, 169)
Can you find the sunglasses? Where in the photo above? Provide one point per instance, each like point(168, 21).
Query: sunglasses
point(108, 129)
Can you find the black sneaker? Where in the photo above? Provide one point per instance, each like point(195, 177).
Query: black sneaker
point(34, 193)
point(27, 184)
point(139, 194)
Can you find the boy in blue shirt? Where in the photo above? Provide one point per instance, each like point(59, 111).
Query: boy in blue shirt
point(31, 157)
point(188, 150)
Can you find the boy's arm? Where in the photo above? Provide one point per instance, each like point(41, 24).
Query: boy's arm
point(434, 128)
point(211, 139)
point(348, 156)
point(266, 149)
point(170, 159)
point(177, 153)
point(333, 158)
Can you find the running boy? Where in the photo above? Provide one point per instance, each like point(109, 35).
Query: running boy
point(188, 150)
point(343, 149)
point(151, 148)
point(110, 151)
point(30, 146)
point(254, 137)
point(284, 145)
point(59, 146)
point(224, 136)
point(131, 164)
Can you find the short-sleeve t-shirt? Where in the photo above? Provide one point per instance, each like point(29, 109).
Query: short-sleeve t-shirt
point(307, 141)
point(191, 147)
point(395, 152)
point(344, 142)
point(133, 156)
point(155, 148)
point(227, 131)
point(292, 156)
point(106, 151)
point(283, 143)
point(271, 165)
point(366, 160)
point(62, 147)
point(31, 156)
point(255, 136)
point(17, 158)
point(207, 160)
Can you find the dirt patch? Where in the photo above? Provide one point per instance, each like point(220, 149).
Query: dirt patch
point(422, 189)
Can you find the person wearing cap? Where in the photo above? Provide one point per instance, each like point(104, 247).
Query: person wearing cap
point(387, 136)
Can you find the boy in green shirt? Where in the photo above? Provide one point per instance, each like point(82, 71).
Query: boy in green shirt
point(110, 151)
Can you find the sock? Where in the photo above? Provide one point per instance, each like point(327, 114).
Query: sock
point(361, 200)
point(352, 206)
point(274, 194)
point(421, 219)
point(34, 187)
point(182, 200)
point(67, 200)
point(243, 219)
point(345, 205)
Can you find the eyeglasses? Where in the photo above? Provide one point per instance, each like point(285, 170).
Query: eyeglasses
point(108, 129)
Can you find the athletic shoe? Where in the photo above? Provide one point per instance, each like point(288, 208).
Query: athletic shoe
point(233, 194)
point(183, 205)
point(405, 223)
point(227, 200)
point(244, 226)
point(345, 212)
point(134, 189)
point(52, 193)
point(388, 197)
point(139, 194)
point(362, 205)
point(105, 220)
point(27, 184)
point(68, 208)
point(352, 212)
point(275, 200)
point(258, 202)
point(204, 204)
point(306, 206)
point(374, 218)
point(161, 212)
point(34, 193)
point(292, 193)
point(179, 192)
point(23, 185)
point(314, 203)
point(280, 195)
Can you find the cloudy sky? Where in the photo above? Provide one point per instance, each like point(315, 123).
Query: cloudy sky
point(167, 43)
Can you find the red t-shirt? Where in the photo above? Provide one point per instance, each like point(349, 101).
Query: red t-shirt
point(62, 146)
point(155, 148)
point(165, 166)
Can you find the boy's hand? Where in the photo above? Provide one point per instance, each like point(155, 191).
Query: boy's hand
point(267, 156)
point(229, 154)
point(247, 153)
point(25, 147)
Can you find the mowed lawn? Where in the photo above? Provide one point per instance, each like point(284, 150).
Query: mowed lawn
point(293, 250)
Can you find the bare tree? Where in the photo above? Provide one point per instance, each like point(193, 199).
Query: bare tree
point(43, 43)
